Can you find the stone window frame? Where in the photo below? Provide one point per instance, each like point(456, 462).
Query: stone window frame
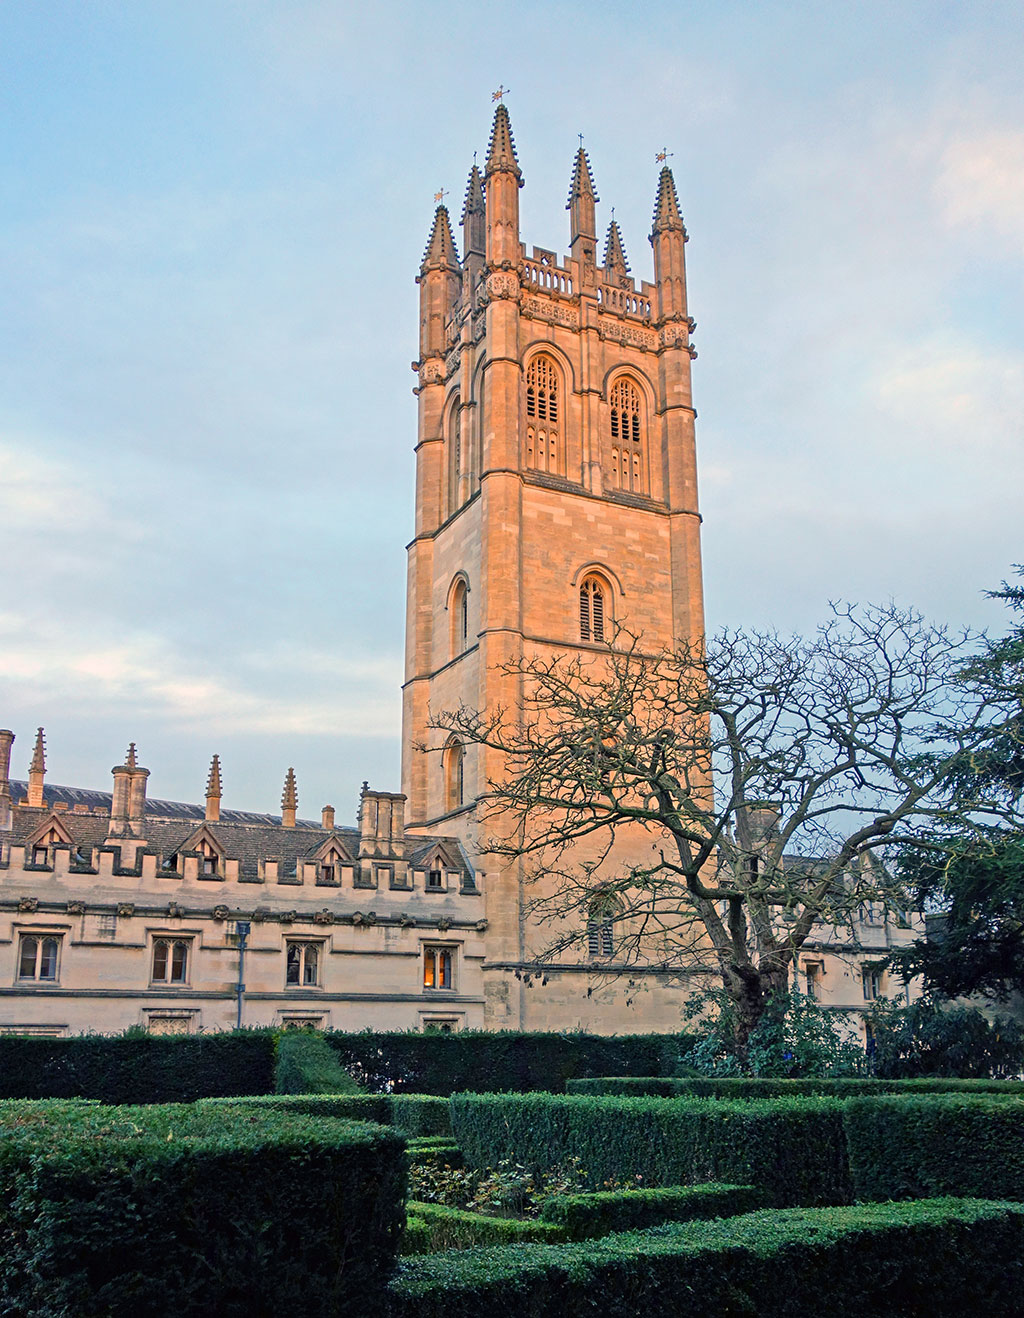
point(168, 979)
point(439, 962)
point(304, 946)
point(39, 938)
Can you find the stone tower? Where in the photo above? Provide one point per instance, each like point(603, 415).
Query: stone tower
point(556, 495)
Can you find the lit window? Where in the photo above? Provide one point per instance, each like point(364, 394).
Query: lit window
point(302, 962)
point(871, 980)
point(170, 960)
point(438, 968)
point(38, 957)
point(593, 609)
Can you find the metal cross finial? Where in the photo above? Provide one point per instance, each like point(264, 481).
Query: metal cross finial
point(580, 136)
point(663, 155)
point(502, 92)
point(440, 196)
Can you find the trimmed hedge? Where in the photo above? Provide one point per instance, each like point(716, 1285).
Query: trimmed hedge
point(492, 1062)
point(917, 1258)
point(740, 1087)
point(194, 1211)
point(431, 1228)
point(415, 1115)
point(793, 1148)
point(583, 1216)
point(138, 1067)
point(905, 1148)
point(307, 1064)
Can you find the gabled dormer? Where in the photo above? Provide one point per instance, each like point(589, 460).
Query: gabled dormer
point(443, 869)
point(209, 850)
point(41, 842)
point(330, 857)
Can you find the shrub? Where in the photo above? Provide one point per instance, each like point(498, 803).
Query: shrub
point(903, 1148)
point(583, 1216)
point(435, 1228)
point(414, 1115)
point(665, 1141)
point(741, 1087)
point(489, 1061)
point(926, 1039)
point(307, 1064)
point(915, 1258)
point(194, 1211)
point(137, 1067)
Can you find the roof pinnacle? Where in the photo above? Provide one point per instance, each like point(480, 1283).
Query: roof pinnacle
point(213, 781)
point(38, 764)
point(131, 759)
point(290, 795)
point(582, 184)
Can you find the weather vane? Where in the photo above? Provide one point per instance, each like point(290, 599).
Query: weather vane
point(440, 196)
point(500, 93)
point(663, 155)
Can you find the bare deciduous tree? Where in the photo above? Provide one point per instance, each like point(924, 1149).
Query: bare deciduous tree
point(767, 773)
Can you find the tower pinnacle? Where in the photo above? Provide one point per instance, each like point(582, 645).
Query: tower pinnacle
point(666, 205)
point(474, 215)
point(581, 203)
point(441, 253)
point(501, 152)
point(614, 252)
point(36, 772)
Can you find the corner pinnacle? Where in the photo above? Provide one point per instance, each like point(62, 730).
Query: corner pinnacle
point(501, 151)
point(666, 205)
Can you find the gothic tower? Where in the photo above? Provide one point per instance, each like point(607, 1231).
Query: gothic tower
point(556, 494)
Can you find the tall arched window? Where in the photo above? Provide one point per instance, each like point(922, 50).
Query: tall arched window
point(594, 610)
point(453, 765)
point(458, 618)
point(629, 457)
point(544, 449)
point(456, 457)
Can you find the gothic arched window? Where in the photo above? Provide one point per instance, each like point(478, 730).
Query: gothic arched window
point(458, 618)
point(629, 456)
point(454, 764)
point(594, 609)
point(544, 449)
point(456, 456)
point(601, 928)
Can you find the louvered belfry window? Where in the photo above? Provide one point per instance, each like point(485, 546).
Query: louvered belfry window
point(543, 434)
point(592, 610)
point(629, 461)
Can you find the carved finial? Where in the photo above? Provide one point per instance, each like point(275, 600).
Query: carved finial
point(131, 759)
point(289, 800)
point(213, 781)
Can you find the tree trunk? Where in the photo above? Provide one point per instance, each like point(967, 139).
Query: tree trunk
point(750, 990)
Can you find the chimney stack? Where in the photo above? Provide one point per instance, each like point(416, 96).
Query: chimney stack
point(327, 817)
point(36, 773)
point(128, 802)
point(381, 823)
point(6, 742)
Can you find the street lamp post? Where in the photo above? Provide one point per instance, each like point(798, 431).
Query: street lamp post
point(242, 928)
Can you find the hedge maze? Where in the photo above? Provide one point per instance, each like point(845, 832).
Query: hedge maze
point(274, 1184)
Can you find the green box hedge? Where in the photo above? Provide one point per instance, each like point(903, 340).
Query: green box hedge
point(415, 1115)
point(583, 1216)
point(793, 1148)
point(930, 1257)
point(919, 1147)
point(307, 1064)
point(137, 1067)
point(431, 1228)
point(496, 1061)
point(742, 1087)
point(194, 1211)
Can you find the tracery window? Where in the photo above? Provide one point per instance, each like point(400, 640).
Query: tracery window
point(601, 929)
point(458, 618)
point(38, 957)
point(170, 960)
point(456, 456)
point(629, 457)
point(543, 416)
point(302, 964)
point(593, 609)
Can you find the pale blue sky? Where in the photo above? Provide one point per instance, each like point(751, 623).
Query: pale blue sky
point(212, 217)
